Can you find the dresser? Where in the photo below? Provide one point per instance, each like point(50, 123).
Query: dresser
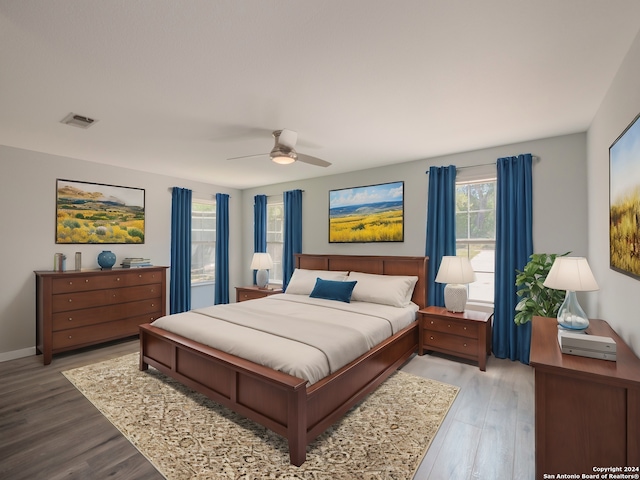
point(587, 411)
point(466, 334)
point(75, 309)
point(253, 291)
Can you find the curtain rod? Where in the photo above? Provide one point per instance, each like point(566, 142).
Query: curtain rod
point(198, 194)
point(534, 159)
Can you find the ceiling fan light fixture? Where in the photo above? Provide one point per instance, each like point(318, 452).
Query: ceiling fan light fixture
point(283, 159)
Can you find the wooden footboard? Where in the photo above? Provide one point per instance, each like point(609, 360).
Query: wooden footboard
point(280, 402)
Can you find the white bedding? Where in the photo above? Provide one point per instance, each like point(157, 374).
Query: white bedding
point(309, 338)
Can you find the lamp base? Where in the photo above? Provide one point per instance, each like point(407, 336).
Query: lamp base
point(262, 278)
point(455, 297)
point(571, 316)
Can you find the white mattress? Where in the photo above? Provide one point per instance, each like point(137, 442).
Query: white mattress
point(305, 337)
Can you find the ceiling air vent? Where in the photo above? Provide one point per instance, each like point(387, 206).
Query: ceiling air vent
point(78, 120)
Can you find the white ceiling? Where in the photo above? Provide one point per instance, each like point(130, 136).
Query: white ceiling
point(177, 87)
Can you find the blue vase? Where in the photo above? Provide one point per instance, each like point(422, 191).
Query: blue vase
point(106, 259)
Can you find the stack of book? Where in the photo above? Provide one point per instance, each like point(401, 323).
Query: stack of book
point(136, 262)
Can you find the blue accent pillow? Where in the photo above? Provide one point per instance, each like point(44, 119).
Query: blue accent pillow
point(333, 290)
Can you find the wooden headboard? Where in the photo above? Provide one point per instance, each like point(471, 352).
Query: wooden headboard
point(381, 265)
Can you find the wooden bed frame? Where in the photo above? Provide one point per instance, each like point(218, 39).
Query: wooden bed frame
point(276, 400)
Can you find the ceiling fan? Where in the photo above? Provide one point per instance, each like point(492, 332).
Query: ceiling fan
point(283, 151)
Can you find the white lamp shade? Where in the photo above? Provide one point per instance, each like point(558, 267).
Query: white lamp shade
point(261, 261)
point(571, 273)
point(455, 270)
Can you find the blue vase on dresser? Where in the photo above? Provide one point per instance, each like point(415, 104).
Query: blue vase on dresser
point(106, 259)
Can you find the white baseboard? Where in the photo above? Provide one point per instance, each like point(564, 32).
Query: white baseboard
point(25, 352)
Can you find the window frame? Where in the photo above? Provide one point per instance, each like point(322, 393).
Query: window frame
point(275, 273)
point(211, 278)
point(464, 244)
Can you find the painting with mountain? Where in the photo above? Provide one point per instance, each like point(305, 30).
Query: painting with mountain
point(373, 213)
point(98, 213)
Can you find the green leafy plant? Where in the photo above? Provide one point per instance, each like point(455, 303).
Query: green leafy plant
point(537, 300)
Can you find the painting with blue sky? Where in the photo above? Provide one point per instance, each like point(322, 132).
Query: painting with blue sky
point(373, 213)
point(624, 201)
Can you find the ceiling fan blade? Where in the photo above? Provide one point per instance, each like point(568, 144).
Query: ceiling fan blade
point(249, 156)
point(312, 160)
point(288, 138)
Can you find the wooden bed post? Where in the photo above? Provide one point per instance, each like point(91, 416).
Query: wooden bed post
point(297, 426)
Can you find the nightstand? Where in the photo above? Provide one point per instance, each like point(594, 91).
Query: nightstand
point(466, 334)
point(253, 292)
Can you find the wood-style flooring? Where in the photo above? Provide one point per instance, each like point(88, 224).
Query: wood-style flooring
point(50, 431)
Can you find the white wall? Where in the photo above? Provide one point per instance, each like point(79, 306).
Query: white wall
point(617, 300)
point(560, 197)
point(28, 211)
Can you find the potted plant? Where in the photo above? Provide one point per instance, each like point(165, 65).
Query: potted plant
point(537, 300)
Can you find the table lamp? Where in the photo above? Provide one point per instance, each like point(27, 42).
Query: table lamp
point(573, 275)
point(261, 262)
point(456, 272)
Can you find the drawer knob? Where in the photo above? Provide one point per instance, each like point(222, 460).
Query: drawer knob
point(464, 344)
point(449, 326)
point(464, 328)
point(431, 322)
point(153, 291)
point(70, 319)
point(118, 279)
point(70, 336)
point(70, 300)
point(431, 337)
point(139, 276)
point(153, 304)
point(70, 283)
point(86, 280)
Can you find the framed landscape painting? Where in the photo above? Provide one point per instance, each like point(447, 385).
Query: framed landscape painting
point(624, 201)
point(374, 213)
point(98, 213)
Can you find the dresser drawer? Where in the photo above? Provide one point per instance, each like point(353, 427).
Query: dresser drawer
point(91, 316)
point(140, 276)
point(84, 283)
point(75, 301)
point(451, 343)
point(115, 279)
point(102, 332)
point(465, 329)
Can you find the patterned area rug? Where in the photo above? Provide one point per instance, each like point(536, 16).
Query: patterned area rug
point(187, 436)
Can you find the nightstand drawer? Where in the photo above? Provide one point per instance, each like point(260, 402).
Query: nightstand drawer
point(465, 329)
point(251, 295)
point(451, 343)
point(253, 292)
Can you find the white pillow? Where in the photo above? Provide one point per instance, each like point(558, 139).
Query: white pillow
point(302, 281)
point(394, 290)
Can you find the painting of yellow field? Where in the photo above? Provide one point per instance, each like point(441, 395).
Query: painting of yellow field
point(373, 213)
point(97, 213)
point(624, 201)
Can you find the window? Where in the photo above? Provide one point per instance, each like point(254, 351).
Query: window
point(476, 234)
point(203, 242)
point(275, 236)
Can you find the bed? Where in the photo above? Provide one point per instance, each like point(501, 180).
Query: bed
point(286, 404)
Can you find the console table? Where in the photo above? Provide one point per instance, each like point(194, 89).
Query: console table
point(587, 411)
